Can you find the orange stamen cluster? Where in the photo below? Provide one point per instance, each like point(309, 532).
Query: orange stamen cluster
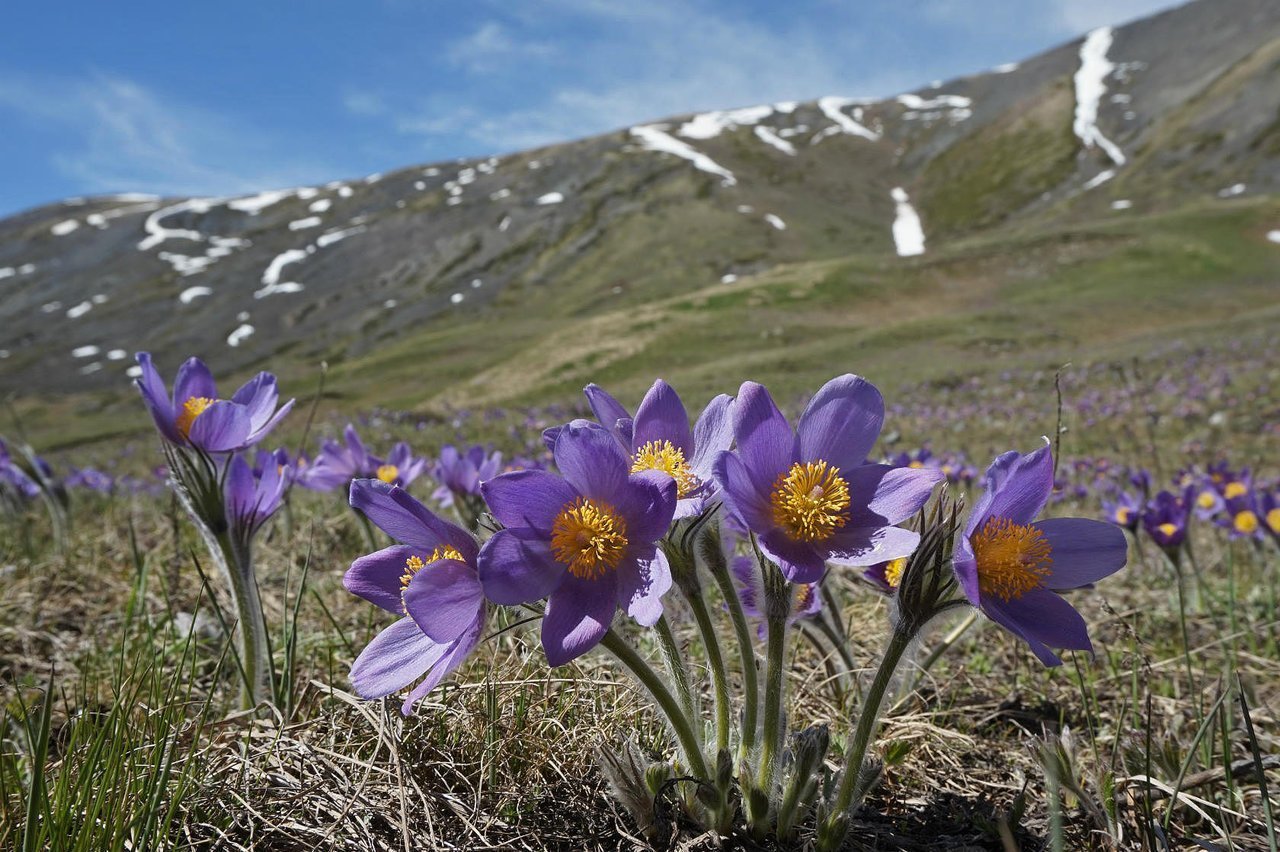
point(191, 409)
point(588, 537)
point(388, 473)
point(810, 501)
point(668, 458)
point(1013, 559)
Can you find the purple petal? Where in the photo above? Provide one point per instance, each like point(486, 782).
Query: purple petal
point(712, 433)
point(193, 380)
point(220, 428)
point(156, 396)
point(458, 651)
point(996, 474)
point(516, 566)
point(1044, 620)
point(891, 494)
point(592, 461)
point(966, 568)
point(444, 598)
point(647, 506)
point(238, 490)
point(860, 546)
point(841, 422)
point(260, 432)
point(549, 436)
point(608, 411)
point(641, 585)
point(528, 498)
point(395, 658)
point(402, 517)
point(1083, 551)
point(1020, 490)
point(662, 417)
point(740, 494)
point(765, 443)
point(376, 576)
point(800, 561)
point(359, 454)
point(578, 615)
point(259, 395)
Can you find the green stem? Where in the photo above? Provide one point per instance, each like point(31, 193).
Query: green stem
point(771, 734)
point(678, 670)
point(666, 702)
point(746, 646)
point(251, 627)
point(868, 723)
point(719, 680)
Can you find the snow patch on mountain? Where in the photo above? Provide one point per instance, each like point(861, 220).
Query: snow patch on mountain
point(908, 233)
point(767, 136)
point(1090, 83)
point(709, 125)
point(654, 137)
point(832, 107)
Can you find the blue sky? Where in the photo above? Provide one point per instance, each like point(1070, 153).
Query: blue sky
point(234, 96)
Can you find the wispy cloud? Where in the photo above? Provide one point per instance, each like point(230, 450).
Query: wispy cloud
point(491, 46)
point(119, 135)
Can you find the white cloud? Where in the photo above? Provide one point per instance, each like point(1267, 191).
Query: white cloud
point(492, 47)
point(119, 135)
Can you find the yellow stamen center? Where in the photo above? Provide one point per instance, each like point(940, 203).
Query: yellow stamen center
point(893, 571)
point(803, 596)
point(589, 538)
point(1123, 514)
point(1246, 522)
point(916, 465)
point(1168, 529)
point(1206, 500)
point(1013, 559)
point(1273, 520)
point(191, 409)
point(668, 458)
point(388, 473)
point(415, 563)
point(810, 501)
point(1234, 490)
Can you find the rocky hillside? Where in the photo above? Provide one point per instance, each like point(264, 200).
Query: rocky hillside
point(1130, 121)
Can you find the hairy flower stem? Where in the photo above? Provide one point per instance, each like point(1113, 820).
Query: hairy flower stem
point(678, 671)
point(254, 645)
point(856, 751)
point(777, 594)
point(715, 660)
point(714, 559)
point(667, 704)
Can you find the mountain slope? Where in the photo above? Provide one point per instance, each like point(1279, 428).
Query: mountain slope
point(549, 246)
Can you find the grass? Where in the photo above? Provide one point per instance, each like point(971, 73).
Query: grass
point(119, 730)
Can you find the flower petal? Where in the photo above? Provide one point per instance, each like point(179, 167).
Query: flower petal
point(527, 498)
point(647, 504)
point(193, 380)
point(861, 546)
point(662, 417)
point(376, 576)
point(220, 428)
point(578, 615)
point(883, 495)
point(608, 411)
point(965, 565)
point(592, 461)
point(444, 598)
point(402, 517)
point(841, 422)
point(516, 566)
point(1021, 489)
point(1044, 620)
point(457, 652)
point(1083, 551)
point(712, 433)
point(641, 584)
point(801, 562)
point(396, 657)
point(156, 396)
point(765, 442)
point(740, 494)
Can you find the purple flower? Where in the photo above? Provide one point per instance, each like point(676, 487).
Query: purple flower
point(337, 465)
point(195, 416)
point(1208, 501)
point(587, 540)
point(1011, 566)
point(429, 579)
point(251, 498)
point(1125, 511)
point(91, 479)
point(462, 473)
point(809, 496)
point(1241, 517)
point(1165, 519)
point(659, 438)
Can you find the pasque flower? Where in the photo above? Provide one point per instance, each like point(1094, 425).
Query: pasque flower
point(251, 497)
point(429, 580)
point(1165, 518)
point(1012, 567)
point(195, 416)
point(659, 438)
point(337, 465)
point(810, 497)
point(586, 540)
point(460, 474)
